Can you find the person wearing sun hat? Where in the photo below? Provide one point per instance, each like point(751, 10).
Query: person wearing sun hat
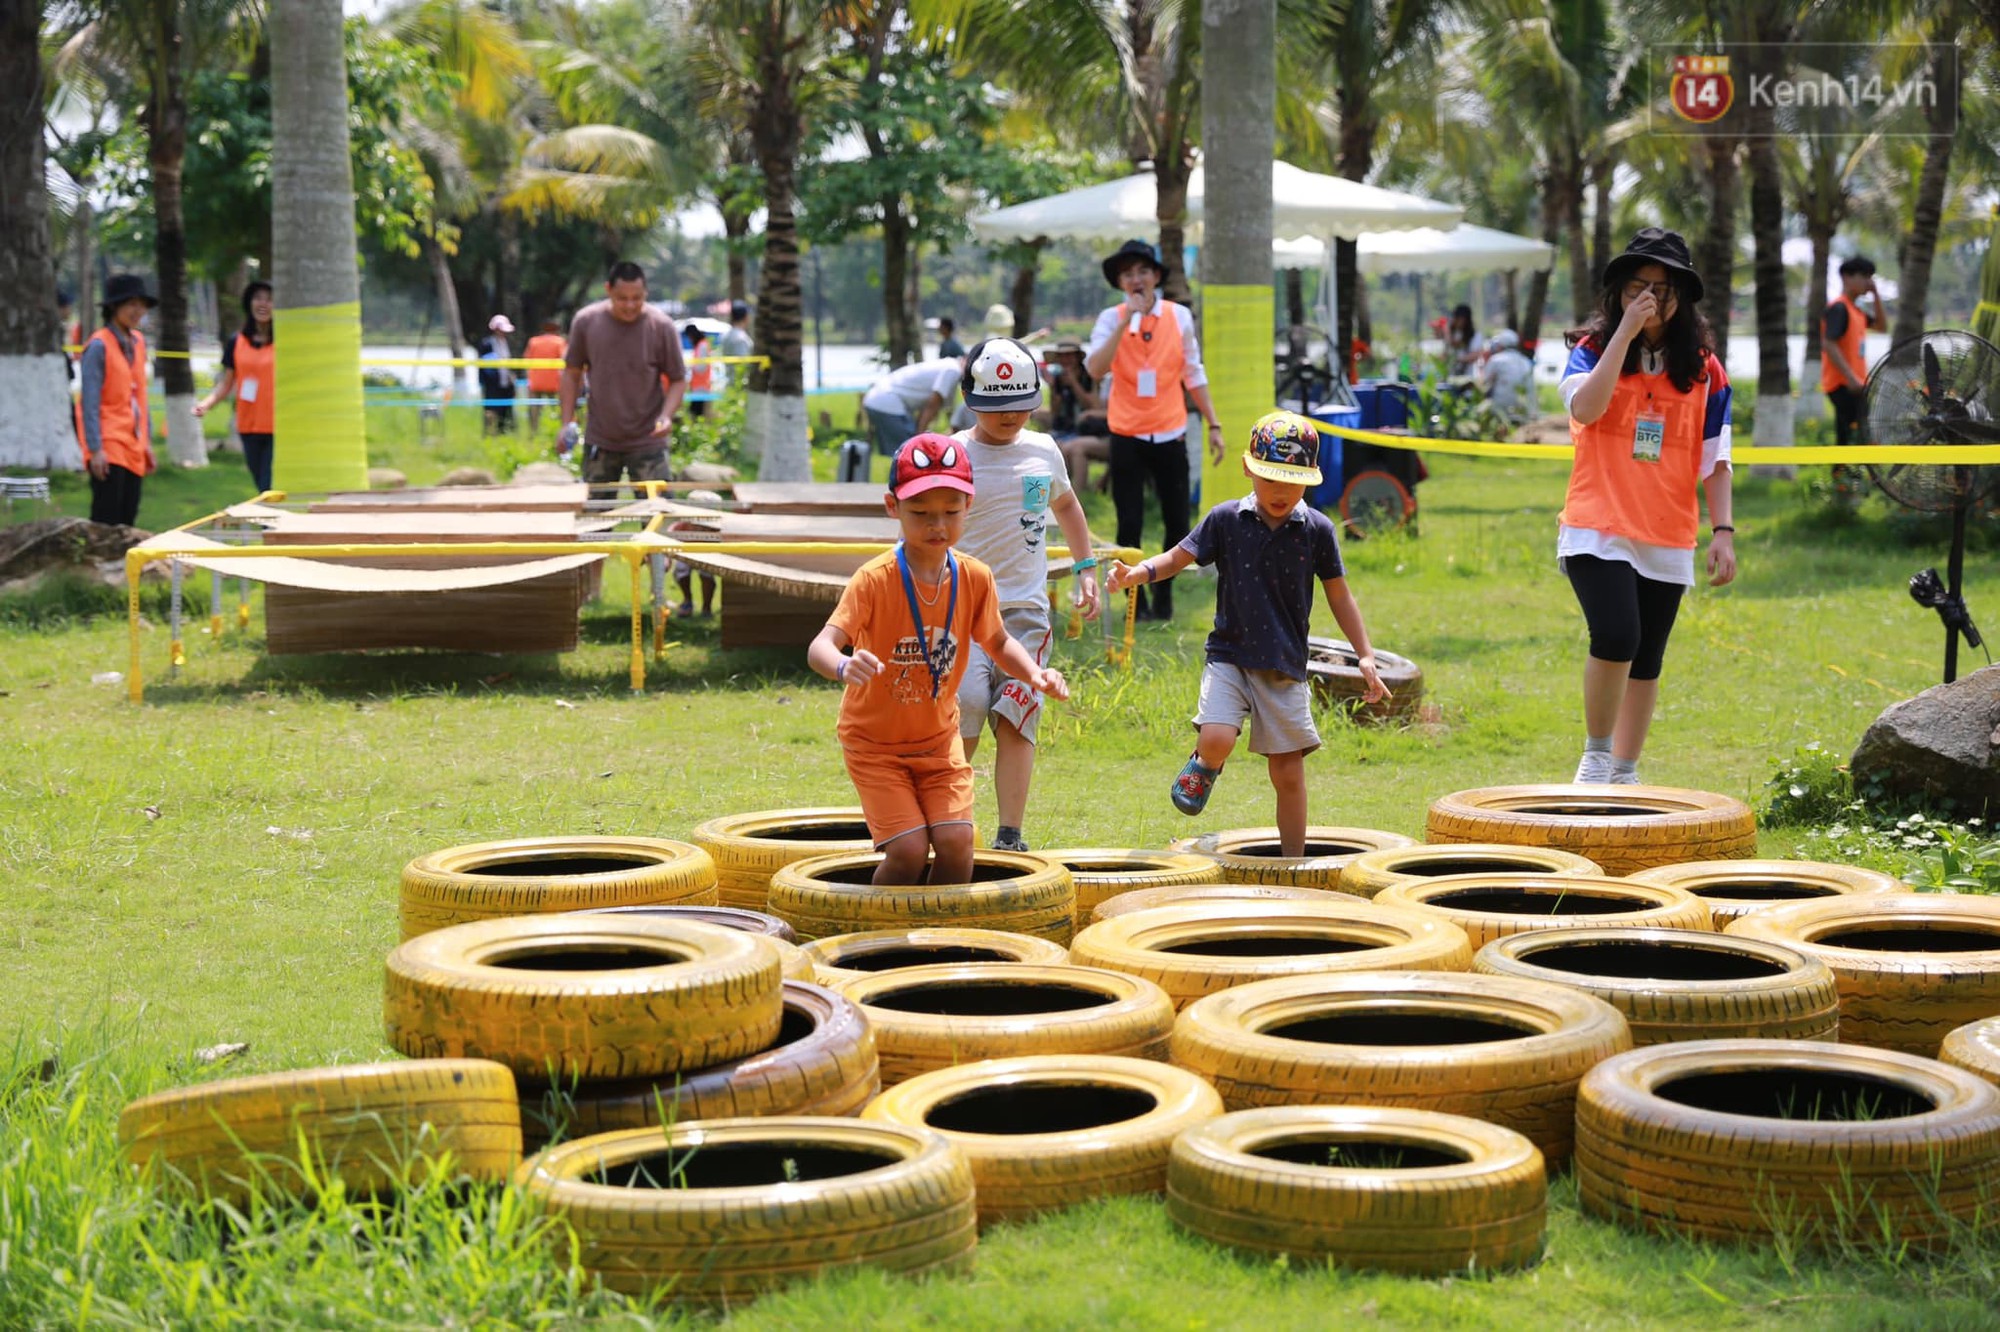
point(1145, 351)
point(896, 645)
point(1268, 549)
point(114, 427)
point(1649, 415)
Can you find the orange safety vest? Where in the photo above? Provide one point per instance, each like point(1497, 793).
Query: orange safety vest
point(1651, 502)
point(256, 387)
point(701, 377)
point(1157, 347)
point(127, 442)
point(545, 347)
point(1849, 342)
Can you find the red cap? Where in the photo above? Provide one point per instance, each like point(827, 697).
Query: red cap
point(929, 462)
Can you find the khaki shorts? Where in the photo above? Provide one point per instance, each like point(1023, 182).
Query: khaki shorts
point(906, 793)
point(1279, 708)
point(602, 467)
point(988, 690)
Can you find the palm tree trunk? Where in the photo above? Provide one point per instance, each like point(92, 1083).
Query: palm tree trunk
point(1920, 246)
point(1716, 257)
point(1538, 283)
point(447, 296)
point(896, 281)
point(1171, 175)
point(736, 226)
point(1767, 234)
point(508, 286)
point(776, 424)
point(1021, 292)
point(1600, 218)
point(33, 381)
point(1576, 241)
point(166, 150)
point(86, 280)
point(1510, 285)
point(320, 422)
point(1820, 227)
point(1355, 154)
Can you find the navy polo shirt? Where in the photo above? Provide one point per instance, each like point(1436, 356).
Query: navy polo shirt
point(1263, 603)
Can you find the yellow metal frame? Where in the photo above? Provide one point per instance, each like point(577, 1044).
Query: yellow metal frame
point(634, 551)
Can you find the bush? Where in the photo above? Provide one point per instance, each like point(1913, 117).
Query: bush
point(1810, 789)
point(67, 596)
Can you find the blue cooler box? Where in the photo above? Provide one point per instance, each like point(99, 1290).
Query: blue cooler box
point(1326, 495)
point(1384, 403)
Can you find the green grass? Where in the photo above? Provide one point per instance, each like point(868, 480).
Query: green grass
point(221, 865)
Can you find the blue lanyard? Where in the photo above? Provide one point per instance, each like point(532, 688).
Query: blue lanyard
point(936, 666)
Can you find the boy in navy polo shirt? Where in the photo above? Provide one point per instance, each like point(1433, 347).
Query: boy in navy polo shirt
point(1268, 548)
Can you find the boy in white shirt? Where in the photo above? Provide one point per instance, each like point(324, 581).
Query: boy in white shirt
point(1019, 480)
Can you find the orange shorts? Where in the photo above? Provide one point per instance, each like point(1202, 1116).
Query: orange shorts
point(902, 793)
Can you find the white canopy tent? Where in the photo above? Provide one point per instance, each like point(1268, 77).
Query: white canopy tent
point(1303, 203)
point(1463, 249)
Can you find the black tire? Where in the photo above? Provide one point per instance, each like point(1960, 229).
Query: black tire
point(1335, 677)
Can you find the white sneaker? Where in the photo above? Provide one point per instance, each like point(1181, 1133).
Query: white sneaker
point(1594, 769)
point(1625, 779)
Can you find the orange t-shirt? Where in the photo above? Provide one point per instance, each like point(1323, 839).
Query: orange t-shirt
point(896, 711)
point(545, 347)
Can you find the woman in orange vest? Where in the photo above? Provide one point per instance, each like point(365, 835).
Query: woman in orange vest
point(1144, 351)
point(249, 369)
point(114, 427)
point(701, 374)
point(1649, 414)
point(547, 345)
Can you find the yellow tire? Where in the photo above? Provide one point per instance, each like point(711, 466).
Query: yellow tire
point(749, 848)
point(1680, 985)
point(531, 876)
point(1730, 1140)
point(1736, 888)
point(1910, 966)
point(720, 1209)
point(1493, 906)
point(1365, 876)
point(1049, 1131)
point(1253, 855)
point(1010, 891)
point(1975, 1047)
point(581, 996)
point(822, 1063)
point(1372, 1187)
point(1191, 951)
point(927, 1018)
point(1191, 894)
point(840, 958)
point(1623, 828)
point(373, 1127)
point(1510, 1052)
point(1100, 873)
point(735, 918)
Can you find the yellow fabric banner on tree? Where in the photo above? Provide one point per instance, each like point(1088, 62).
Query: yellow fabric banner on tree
point(321, 433)
point(1236, 324)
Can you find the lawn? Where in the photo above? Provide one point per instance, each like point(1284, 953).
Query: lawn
point(220, 865)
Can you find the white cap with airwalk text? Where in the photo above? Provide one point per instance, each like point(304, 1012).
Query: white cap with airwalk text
point(1001, 376)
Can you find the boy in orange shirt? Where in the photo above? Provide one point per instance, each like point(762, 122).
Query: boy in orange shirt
point(907, 616)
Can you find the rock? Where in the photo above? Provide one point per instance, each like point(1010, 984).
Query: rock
point(468, 476)
point(33, 548)
point(1942, 745)
point(541, 474)
point(709, 474)
point(1551, 429)
point(386, 478)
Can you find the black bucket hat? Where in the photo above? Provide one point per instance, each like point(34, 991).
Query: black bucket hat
point(1656, 245)
point(122, 287)
point(1130, 250)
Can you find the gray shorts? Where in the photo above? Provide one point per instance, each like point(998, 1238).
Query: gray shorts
point(988, 690)
point(1279, 707)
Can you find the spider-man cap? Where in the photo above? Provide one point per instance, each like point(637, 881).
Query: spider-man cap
point(929, 462)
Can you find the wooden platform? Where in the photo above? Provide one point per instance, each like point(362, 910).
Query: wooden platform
point(857, 498)
point(560, 498)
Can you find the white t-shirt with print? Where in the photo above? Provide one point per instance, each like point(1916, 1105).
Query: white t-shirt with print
point(1013, 486)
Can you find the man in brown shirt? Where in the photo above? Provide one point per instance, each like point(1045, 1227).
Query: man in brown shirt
point(637, 379)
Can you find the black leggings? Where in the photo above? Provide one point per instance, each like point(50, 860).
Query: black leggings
point(1847, 403)
point(1164, 463)
point(1629, 616)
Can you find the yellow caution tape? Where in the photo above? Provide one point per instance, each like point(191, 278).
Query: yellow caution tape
point(1942, 455)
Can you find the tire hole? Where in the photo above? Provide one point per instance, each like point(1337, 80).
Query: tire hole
point(1651, 961)
point(1789, 1093)
point(855, 831)
point(1266, 945)
point(1780, 890)
point(562, 867)
point(1044, 1107)
point(1106, 866)
point(990, 999)
point(1276, 850)
point(865, 874)
point(1535, 902)
point(1429, 869)
point(740, 1165)
point(1340, 1152)
point(1366, 1028)
point(591, 957)
point(916, 955)
point(1911, 939)
point(1581, 810)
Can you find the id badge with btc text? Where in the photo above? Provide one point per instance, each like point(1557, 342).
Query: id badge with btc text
point(1649, 436)
point(1149, 383)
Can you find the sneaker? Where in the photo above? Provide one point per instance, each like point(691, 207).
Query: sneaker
point(1594, 769)
point(1631, 778)
point(1190, 789)
point(1010, 842)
